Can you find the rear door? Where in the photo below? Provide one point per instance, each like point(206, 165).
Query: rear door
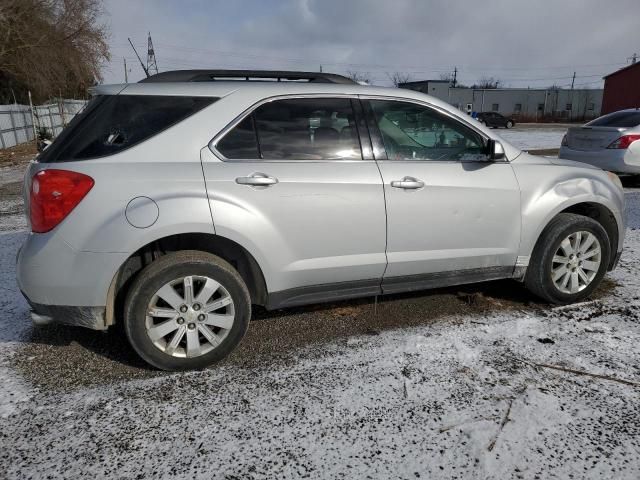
point(289, 182)
point(451, 214)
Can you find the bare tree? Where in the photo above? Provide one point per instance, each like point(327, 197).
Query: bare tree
point(447, 77)
point(398, 78)
point(359, 77)
point(51, 47)
point(488, 83)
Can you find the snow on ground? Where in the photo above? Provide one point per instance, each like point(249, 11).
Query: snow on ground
point(465, 397)
point(533, 138)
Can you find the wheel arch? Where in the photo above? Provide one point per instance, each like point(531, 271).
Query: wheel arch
point(596, 211)
point(234, 253)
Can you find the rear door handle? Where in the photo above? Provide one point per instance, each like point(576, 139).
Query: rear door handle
point(408, 183)
point(257, 180)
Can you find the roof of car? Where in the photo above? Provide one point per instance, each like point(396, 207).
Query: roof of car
point(265, 88)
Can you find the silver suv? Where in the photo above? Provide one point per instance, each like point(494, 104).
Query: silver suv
point(175, 204)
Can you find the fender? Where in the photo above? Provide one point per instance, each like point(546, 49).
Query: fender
point(557, 193)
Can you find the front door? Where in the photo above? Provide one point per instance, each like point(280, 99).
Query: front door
point(289, 183)
point(452, 215)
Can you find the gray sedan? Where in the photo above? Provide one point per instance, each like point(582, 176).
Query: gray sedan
point(611, 142)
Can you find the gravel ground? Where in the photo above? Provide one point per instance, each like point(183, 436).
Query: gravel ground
point(441, 384)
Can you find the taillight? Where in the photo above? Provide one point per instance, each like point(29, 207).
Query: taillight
point(624, 141)
point(564, 141)
point(54, 193)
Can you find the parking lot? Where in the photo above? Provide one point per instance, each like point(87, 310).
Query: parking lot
point(480, 381)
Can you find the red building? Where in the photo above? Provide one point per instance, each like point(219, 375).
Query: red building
point(622, 89)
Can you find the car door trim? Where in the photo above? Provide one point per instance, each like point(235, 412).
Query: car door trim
point(410, 283)
point(331, 292)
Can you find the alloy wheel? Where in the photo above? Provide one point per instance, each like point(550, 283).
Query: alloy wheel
point(576, 262)
point(189, 316)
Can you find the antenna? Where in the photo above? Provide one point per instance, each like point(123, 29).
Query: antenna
point(146, 72)
point(152, 65)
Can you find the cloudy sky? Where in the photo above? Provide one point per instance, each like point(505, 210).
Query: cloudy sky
point(523, 43)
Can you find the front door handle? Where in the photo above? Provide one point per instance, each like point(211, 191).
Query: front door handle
point(257, 180)
point(408, 183)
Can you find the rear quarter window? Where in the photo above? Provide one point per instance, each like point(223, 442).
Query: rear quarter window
point(111, 124)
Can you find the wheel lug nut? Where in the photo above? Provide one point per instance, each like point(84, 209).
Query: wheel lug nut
point(183, 308)
point(191, 326)
point(180, 321)
point(201, 317)
point(196, 306)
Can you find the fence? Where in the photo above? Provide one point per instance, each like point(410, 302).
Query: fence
point(16, 126)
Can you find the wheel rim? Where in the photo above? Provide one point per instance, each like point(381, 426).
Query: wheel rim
point(189, 316)
point(576, 262)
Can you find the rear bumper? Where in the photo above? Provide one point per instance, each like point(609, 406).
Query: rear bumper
point(88, 317)
point(64, 285)
point(618, 161)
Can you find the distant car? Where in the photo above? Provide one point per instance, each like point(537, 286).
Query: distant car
point(611, 142)
point(494, 119)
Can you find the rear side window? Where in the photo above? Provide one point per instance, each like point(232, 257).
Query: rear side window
point(620, 119)
point(296, 129)
point(111, 124)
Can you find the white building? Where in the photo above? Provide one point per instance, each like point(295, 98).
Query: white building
point(525, 104)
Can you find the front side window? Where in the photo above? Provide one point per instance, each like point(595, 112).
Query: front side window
point(296, 129)
point(415, 132)
point(111, 124)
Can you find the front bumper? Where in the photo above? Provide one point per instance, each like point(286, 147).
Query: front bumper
point(618, 161)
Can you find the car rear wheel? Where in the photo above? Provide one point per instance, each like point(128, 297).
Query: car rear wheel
point(186, 310)
point(509, 124)
point(569, 260)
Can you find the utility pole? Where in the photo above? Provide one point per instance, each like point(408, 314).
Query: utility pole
point(126, 77)
point(455, 76)
point(152, 66)
point(573, 80)
point(146, 72)
point(320, 68)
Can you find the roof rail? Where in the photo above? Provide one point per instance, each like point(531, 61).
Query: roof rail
point(246, 75)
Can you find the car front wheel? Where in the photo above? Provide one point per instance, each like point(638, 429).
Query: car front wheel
point(186, 310)
point(509, 124)
point(569, 260)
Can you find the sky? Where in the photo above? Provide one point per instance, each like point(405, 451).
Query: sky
point(522, 43)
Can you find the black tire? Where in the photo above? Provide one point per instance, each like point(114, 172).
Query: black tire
point(509, 124)
point(538, 277)
point(165, 269)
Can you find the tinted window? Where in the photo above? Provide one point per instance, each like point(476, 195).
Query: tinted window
point(414, 132)
point(240, 142)
point(308, 129)
point(111, 124)
point(619, 119)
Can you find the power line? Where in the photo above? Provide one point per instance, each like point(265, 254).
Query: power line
point(434, 68)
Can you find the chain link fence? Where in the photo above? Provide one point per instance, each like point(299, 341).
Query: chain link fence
point(16, 125)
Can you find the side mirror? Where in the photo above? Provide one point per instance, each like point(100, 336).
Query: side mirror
point(495, 150)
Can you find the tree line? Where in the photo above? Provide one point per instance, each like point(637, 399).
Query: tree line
point(50, 47)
